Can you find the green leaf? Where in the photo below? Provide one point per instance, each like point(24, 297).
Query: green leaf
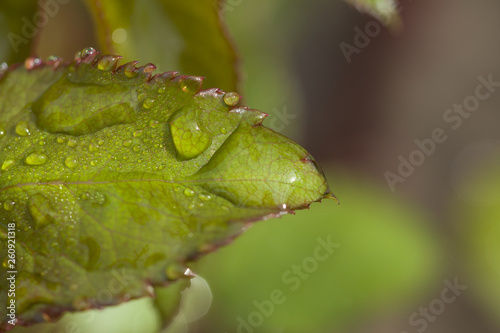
point(174, 34)
point(17, 29)
point(112, 179)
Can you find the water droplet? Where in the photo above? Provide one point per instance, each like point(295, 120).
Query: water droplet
point(188, 192)
point(226, 208)
point(137, 148)
point(8, 205)
point(72, 142)
point(191, 84)
point(108, 62)
point(223, 130)
point(92, 148)
point(148, 103)
point(61, 139)
point(137, 133)
point(36, 159)
point(190, 138)
point(130, 70)
point(89, 51)
point(153, 123)
point(71, 162)
point(205, 197)
point(22, 128)
point(93, 162)
point(2, 131)
point(100, 142)
point(52, 59)
point(7, 164)
point(41, 143)
point(127, 143)
point(3, 67)
point(231, 98)
point(32, 62)
point(162, 90)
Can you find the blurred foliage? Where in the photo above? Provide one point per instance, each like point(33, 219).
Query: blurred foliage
point(479, 231)
point(387, 257)
point(17, 31)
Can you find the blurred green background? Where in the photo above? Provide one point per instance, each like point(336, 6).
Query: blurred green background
point(396, 251)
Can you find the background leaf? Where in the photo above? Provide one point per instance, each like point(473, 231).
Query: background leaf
point(18, 29)
point(188, 36)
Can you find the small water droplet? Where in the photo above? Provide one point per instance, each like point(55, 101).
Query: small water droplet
point(127, 143)
point(205, 197)
point(223, 130)
point(137, 148)
point(231, 98)
point(93, 162)
point(137, 133)
point(36, 159)
point(71, 162)
point(108, 62)
point(188, 192)
point(226, 208)
point(3, 67)
point(22, 128)
point(87, 52)
point(72, 142)
point(8, 205)
point(32, 62)
point(148, 103)
point(153, 123)
point(100, 142)
point(92, 148)
point(130, 70)
point(2, 131)
point(7, 164)
point(162, 90)
point(61, 139)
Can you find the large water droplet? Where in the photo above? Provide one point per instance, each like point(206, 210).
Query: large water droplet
point(2, 131)
point(36, 159)
point(22, 128)
point(189, 136)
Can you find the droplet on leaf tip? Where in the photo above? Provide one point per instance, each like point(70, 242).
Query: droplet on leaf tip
point(231, 98)
point(130, 70)
point(32, 62)
point(191, 84)
point(108, 62)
